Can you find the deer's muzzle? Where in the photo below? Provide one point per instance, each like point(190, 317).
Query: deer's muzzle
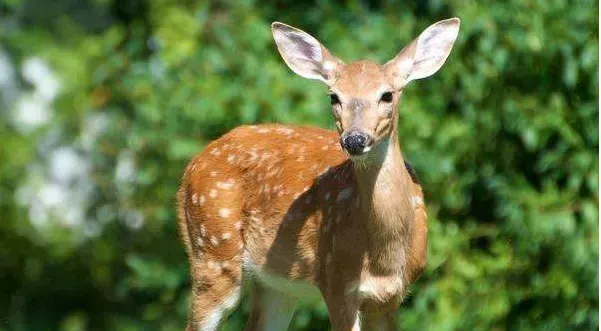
point(356, 142)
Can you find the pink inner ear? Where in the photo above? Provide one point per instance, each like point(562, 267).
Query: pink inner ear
point(425, 55)
point(301, 52)
point(303, 47)
point(433, 47)
point(304, 54)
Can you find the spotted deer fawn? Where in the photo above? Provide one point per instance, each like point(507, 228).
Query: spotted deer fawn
point(306, 212)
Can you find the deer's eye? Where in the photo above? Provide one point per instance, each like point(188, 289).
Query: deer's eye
point(386, 97)
point(334, 99)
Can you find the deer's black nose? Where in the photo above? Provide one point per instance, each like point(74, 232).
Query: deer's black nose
point(355, 142)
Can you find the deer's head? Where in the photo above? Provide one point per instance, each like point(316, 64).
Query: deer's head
point(364, 95)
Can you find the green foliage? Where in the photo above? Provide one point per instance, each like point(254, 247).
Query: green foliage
point(505, 139)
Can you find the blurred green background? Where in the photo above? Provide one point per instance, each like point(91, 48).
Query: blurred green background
point(103, 102)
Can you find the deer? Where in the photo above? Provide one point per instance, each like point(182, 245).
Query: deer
point(303, 212)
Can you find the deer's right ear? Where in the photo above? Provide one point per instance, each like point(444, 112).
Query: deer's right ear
point(304, 54)
point(425, 55)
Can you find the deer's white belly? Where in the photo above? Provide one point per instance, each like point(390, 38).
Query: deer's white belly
point(296, 288)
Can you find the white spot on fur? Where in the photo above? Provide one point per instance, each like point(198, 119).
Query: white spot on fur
point(195, 198)
point(201, 200)
point(224, 212)
point(225, 185)
point(284, 130)
point(214, 241)
point(417, 201)
point(212, 265)
point(263, 130)
point(203, 230)
point(200, 242)
point(213, 193)
point(226, 236)
point(253, 155)
point(231, 158)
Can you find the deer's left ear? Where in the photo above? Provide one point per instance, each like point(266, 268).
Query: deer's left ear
point(425, 55)
point(305, 55)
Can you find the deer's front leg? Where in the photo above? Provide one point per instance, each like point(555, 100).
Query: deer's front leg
point(341, 275)
point(343, 310)
point(379, 321)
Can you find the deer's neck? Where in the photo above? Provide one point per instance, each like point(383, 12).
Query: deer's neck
point(385, 190)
